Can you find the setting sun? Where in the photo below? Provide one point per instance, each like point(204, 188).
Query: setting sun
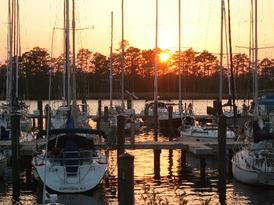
point(164, 56)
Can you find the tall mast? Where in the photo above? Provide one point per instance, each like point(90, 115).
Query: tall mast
point(110, 62)
point(221, 52)
point(179, 63)
point(256, 62)
point(9, 54)
point(67, 64)
point(156, 73)
point(231, 66)
point(73, 54)
point(123, 59)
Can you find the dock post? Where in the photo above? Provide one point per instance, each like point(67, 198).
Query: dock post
point(99, 114)
point(40, 117)
point(170, 127)
point(222, 159)
point(230, 155)
point(15, 134)
point(126, 179)
point(155, 111)
point(129, 103)
point(28, 170)
point(183, 161)
point(48, 116)
point(157, 153)
point(120, 135)
point(106, 115)
point(202, 169)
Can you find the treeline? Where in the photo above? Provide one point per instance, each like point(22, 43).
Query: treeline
point(200, 73)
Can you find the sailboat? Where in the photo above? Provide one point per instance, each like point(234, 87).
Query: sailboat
point(254, 163)
point(12, 78)
point(70, 161)
point(202, 130)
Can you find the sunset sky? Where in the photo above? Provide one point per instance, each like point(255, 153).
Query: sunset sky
point(200, 24)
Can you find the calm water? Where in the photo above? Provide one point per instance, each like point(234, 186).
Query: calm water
point(171, 185)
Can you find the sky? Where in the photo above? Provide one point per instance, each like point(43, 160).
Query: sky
point(200, 25)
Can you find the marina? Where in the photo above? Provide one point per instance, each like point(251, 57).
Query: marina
point(136, 102)
point(195, 157)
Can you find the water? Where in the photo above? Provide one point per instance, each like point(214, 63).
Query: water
point(173, 185)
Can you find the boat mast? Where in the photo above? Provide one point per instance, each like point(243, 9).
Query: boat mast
point(67, 63)
point(156, 73)
point(179, 63)
point(73, 54)
point(9, 54)
point(221, 52)
point(123, 59)
point(231, 67)
point(255, 62)
point(110, 62)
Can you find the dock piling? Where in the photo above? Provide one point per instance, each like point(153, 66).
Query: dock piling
point(203, 169)
point(40, 117)
point(15, 133)
point(99, 114)
point(170, 127)
point(106, 114)
point(222, 159)
point(120, 135)
point(157, 153)
point(126, 179)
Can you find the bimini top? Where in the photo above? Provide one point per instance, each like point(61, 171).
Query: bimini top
point(266, 100)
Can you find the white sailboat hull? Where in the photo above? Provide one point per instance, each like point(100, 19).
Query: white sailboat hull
point(87, 178)
point(250, 174)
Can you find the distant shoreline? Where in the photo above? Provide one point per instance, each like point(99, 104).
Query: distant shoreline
point(165, 95)
point(162, 95)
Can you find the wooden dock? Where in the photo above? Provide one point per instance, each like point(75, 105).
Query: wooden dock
point(197, 148)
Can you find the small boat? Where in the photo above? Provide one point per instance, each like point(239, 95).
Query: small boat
point(202, 131)
point(71, 163)
point(147, 114)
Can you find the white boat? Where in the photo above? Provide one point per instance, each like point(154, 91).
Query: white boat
point(147, 114)
point(205, 132)
point(72, 163)
point(254, 164)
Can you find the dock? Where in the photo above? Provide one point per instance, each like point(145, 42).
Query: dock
point(193, 146)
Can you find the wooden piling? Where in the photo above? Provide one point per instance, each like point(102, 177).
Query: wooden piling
point(170, 126)
point(40, 117)
point(202, 169)
point(99, 114)
point(222, 159)
point(157, 154)
point(230, 156)
point(183, 161)
point(15, 134)
point(129, 103)
point(126, 179)
point(48, 116)
point(106, 114)
point(120, 135)
point(155, 111)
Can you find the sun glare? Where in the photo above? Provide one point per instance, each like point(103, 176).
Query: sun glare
point(164, 57)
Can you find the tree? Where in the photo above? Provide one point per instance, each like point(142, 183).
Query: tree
point(207, 63)
point(241, 64)
point(84, 61)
